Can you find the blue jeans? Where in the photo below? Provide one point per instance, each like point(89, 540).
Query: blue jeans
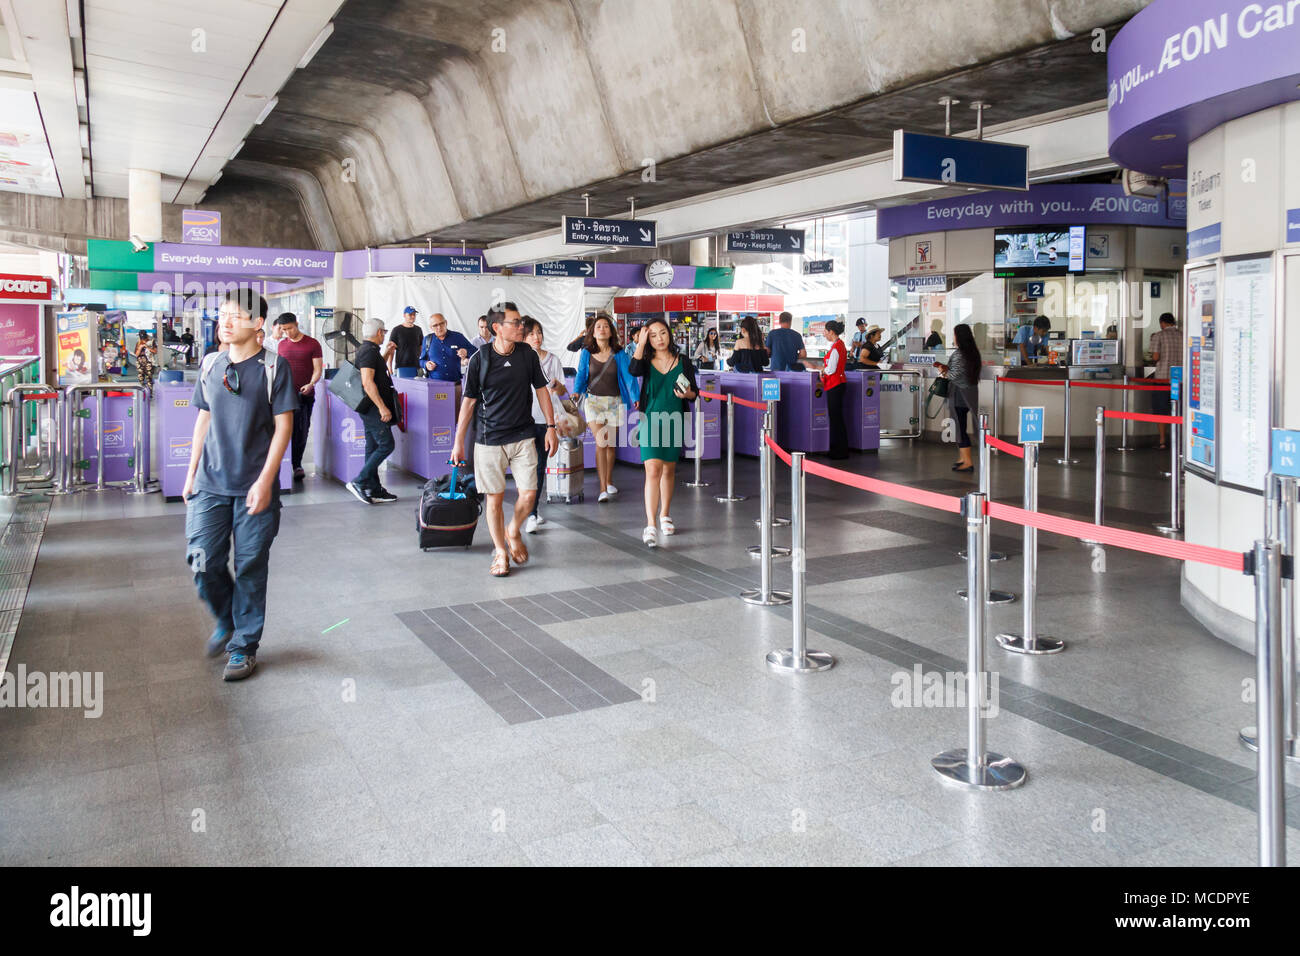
point(379, 445)
point(239, 603)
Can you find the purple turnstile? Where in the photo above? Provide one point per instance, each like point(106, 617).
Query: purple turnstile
point(749, 421)
point(862, 410)
point(119, 436)
point(338, 436)
point(424, 448)
point(801, 422)
point(176, 418)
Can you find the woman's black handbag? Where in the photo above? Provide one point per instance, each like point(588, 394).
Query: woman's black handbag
point(939, 390)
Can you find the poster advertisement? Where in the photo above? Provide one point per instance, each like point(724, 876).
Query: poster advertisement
point(20, 329)
point(1245, 371)
point(76, 352)
point(112, 341)
point(1202, 296)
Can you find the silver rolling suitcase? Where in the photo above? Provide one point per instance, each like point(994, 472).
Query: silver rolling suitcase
point(564, 472)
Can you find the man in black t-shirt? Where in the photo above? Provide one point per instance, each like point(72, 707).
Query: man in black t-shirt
point(246, 401)
point(501, 380)
point(407, 339)
point(376, 415)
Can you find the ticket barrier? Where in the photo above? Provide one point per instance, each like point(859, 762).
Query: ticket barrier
point(107, 430)
point(862, 410)
point(176, 417)
point(749, 421)
point(338, 436)
point(25, 431)
point(423, 446)
point(803, 424)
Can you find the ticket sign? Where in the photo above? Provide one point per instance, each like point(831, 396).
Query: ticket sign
point(1031, 425)
point(771, 390)
point(1286, 453)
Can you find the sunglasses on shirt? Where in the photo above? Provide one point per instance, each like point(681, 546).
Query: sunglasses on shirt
point(230, 379)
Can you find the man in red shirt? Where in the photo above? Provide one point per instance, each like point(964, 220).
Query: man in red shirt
point(306, 363)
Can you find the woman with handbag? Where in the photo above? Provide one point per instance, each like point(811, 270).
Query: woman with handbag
point(962, 374)
point(610, 389)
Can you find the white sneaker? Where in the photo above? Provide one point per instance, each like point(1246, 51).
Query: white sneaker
point(540, 521)
point(611, 490)
point(650, 537)
point(530, 526)
point(604, 496)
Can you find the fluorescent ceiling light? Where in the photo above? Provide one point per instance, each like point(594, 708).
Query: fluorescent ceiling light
point(266, 110)
point(237, 149)
point(316, 44)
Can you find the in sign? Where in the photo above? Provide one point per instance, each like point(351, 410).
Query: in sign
point(1031, 425)
point(1286, 453)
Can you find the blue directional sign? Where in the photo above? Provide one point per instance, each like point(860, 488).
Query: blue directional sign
point(815, 267)
point(1175, 383)
point(590, 231)
point(1286, 453)
point(565, 269)
point(780, 241)
point(1031, 425)
point(448, 264)
point(952, 161)
point(771, 390)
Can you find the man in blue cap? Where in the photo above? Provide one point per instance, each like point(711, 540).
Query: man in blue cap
point(406, 339)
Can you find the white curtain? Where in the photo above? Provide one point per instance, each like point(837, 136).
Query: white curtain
point(556, 303)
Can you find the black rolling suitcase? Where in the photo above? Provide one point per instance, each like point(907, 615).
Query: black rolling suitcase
point(449, 511)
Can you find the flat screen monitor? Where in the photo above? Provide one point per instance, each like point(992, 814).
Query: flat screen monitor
point(1045, 252)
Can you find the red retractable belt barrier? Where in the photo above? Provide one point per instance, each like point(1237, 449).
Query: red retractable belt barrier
point(720, 397)
point(1033, 381)
point(1124, 388)
point(38, 396)
point(1143, 417)
point(739, 401)
point(118, 394)
point(1005, 446)
point(1070, 527)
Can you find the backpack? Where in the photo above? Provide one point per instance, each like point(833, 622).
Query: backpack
point(269, 359)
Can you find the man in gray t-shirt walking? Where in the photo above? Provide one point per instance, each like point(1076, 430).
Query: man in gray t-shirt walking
point(246, 401)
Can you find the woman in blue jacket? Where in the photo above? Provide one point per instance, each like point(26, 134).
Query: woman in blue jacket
point(610, 390)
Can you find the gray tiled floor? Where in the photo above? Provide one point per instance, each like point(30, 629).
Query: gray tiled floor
point(357, 743)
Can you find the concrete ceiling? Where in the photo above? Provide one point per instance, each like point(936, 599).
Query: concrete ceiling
point(484, 121)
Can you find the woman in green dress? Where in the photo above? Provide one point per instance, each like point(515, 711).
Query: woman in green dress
point(667, 384)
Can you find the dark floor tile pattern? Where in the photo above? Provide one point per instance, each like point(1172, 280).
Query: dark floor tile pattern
point(1205, 772)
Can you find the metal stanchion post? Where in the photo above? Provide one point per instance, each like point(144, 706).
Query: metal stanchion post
point(141, 466)
point(767, 478)
point(699, 481)
point(1175, 525)
point(986, 477)
point(99, 440)
point(991, 595)
point(997, 406)
point(777, 522)
point(973, 766)
point(1065, 459)
point(1099, 482)
point(797, 659)
point(764, 594)
point(1030, 642)
point(731, 454)
point(1269, 776)
point(1123, 423)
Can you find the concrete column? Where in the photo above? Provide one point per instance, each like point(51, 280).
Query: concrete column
point(700, 251)
point(868, 274)
point(144, 204)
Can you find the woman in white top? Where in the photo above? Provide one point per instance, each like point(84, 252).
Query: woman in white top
point(706, 353)
point(553, 369)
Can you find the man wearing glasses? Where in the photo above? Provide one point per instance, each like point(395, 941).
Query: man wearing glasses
point(232, 491)
point(501, 381)
point(443, 351)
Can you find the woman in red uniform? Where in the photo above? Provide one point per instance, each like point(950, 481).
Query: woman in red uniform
point(834, 387)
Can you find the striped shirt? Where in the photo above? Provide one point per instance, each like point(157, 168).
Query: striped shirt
point(1168, 344)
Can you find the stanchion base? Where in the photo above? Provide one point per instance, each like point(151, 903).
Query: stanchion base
point(1124, 448)
point(1042, 645)
point(993, 555)
point(1168, 529)
point(1249, 739)
point(776, 522)
point(756, 551)
point(696, 484)
point(755, 596)
point(1067, 461)
point(811, 662)
point(995, 773)
point(995, 596)
point(729, 498)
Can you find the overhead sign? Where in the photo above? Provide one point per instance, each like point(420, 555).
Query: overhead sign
point(779, 241)
point(1031, 425)
point(1101, 204)
point(813, 267)
point(201, 226)
point(590, 231)
point(771, 389)
point(29, 288)
point(953, 161)
point(927, 284)
point(1034, 289)
point(1286, 453)
point(565, 269)
point(242, 260)
point(456, 265)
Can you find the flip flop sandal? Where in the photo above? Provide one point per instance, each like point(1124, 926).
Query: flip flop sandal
point(500, 564)
point(518, 552)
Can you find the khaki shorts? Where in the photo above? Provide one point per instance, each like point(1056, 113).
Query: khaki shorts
point(603, 410)
point(490, 463)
